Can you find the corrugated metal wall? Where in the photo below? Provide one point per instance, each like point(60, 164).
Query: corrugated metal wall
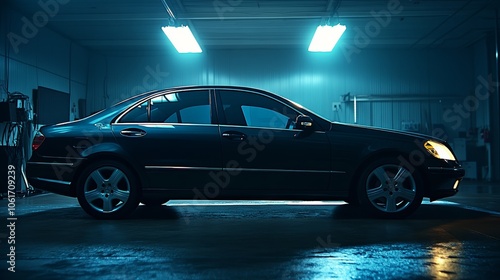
point(481, 74)
point(45, 59)
point(406, 77)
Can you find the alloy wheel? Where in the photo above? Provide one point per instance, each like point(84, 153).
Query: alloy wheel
point(107, 189)
point(391, 188)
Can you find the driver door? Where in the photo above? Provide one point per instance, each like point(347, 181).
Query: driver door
point(263, 153)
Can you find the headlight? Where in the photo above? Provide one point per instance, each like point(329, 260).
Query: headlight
point(439, 150)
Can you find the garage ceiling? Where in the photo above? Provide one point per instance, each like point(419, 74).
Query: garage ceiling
point(133, 25)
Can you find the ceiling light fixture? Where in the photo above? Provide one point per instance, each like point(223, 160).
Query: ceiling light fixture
point(326, 37)
point(182, 38)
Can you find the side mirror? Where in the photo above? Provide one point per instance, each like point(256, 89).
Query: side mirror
point(303, 122)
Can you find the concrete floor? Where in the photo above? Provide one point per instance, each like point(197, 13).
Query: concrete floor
point(456, 238)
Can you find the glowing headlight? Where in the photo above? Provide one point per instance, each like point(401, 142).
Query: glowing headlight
point(439, 150)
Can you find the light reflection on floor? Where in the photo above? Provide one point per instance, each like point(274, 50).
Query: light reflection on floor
point(445, 257)
point(380, 261)
point(454, 238)
point(250, 202)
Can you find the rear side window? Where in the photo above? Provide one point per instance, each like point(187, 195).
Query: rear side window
point(138, 114)
point(192, 107)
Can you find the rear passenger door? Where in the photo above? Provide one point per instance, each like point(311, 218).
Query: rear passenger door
point(172, 137)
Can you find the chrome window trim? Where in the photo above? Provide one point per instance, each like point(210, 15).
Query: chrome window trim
point(148, 97)
point(270, 128)
point(209, 90)
point(155, 124)
point(261, 94)
point(250, 90)
point(258, 93)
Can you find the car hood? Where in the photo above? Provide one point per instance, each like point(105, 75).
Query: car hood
point(368, 131)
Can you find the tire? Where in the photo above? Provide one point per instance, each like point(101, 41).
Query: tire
point(108, 190)
point(153, 202)
point(387, 189)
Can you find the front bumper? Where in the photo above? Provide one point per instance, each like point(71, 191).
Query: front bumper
point(443, 181)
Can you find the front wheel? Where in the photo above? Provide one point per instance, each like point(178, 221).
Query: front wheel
point(108, 190)
point(389, 190)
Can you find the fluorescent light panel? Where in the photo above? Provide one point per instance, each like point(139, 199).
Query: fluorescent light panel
point(182, 38)
point(326, 37)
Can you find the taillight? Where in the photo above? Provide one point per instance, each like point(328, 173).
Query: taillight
point(37, 141)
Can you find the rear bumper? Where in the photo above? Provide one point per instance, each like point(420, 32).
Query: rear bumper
point(443, 181)
point(51, 176)
point(59, 187)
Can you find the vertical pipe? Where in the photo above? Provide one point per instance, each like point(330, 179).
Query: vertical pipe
point(371, 113)
point(355, 110)
point(70, 65)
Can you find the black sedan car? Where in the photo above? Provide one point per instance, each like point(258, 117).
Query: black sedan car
point(225, 142)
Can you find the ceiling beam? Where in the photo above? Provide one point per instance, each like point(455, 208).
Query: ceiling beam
point(210, 16)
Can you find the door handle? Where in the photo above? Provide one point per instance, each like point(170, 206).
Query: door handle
point(133, 132)
point(236, 136)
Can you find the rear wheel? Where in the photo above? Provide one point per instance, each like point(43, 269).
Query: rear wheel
point(108, 190)
point(389, 190)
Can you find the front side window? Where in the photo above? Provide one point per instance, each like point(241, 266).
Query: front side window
point(191, 107)
point(254, 110)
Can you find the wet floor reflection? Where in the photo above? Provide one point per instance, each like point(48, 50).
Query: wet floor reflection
point(258, 240)
point(379, 261)
point(445, 258)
